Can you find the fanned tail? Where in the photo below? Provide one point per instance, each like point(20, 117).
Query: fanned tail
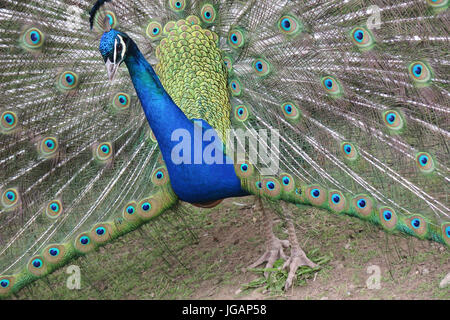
point(358, 91)
point(361, 108)
point(79, 164)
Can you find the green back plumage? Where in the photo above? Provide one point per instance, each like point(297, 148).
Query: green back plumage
point(362, 112)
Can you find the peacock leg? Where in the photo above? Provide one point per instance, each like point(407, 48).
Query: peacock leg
point(298, 257)
point(274, 246)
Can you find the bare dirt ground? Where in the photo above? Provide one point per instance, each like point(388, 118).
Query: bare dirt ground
point(201, 256)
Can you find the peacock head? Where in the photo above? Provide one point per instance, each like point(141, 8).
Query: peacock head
point(113, 48)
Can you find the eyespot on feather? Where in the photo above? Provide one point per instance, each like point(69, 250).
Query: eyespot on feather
point(393, 120)
point(425, 162)
point(244, 169)
point(235, 87)
point(67, 81)
point(388, 218)
point(290, 111)
point(445, 228)
point(236, 38)
point(417, 224)
point(316, 194)
point(48, 147)
point(130, 212)
point(241, 113)
point(177, 5)
point(37, 266)
point(160, 176)
point(349, 151)
point(208, 13)
point(83, 243)
point(271, 187)
point(228, 61)
point(262, 67)
point(332, 86)
point(148, 208)
point(10, 198)
point(420, 73)
point(6, 284)
point(32, 39)
point(337, 201)
point(103, 151)
point(154, 30)
point(121, 101)
point(363, 205)
point(290, 25)
point(192, 20)
point(362, 38)
point(8, 121)
point(438, 4)
point(54, 209)
point(101, 232)
point(54, 253)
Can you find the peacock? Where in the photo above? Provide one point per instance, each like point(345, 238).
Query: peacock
point(339, 105)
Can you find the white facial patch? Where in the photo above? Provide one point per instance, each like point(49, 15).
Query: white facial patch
point(124, 49)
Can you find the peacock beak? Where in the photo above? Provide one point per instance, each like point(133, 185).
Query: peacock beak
point(112, 69)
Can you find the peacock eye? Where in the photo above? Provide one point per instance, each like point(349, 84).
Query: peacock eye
point(10, 198)
point(208, 13)
point(37, 263)
point(241, 113)
point(236, 38)
point(228, 62)
point(244, 167)
point(154, 30)
point(177, 5)
point(387, 215)
point(53, 252)
point(68, 80)
point(258, 184)
point(349, 151)
point(425, 162)
point(290, 111)
point(332, 86)
point(415, 223)
point(48, 146)
point(361, 203)
point(103, 151)
point(270, 185)
point(4, 283)
point(85, 240)
point(8, 121)
point(286, 181)
point(315, 193)
point(130, 210)
point(159, 175)
point(336, 198)
point(32, 39)
point(438, 4)
point(235, 87)
point(262, 67)
point(290, 25)
point(100, 231)
point(146, 206)
point(420, 73)
point(362, 38)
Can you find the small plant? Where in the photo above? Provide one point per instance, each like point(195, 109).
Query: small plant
point(274, 283)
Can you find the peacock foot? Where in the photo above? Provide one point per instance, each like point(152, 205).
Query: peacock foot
point(297, 259)
point(274, 251)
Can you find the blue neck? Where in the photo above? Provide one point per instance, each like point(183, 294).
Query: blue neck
point(195, 183)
